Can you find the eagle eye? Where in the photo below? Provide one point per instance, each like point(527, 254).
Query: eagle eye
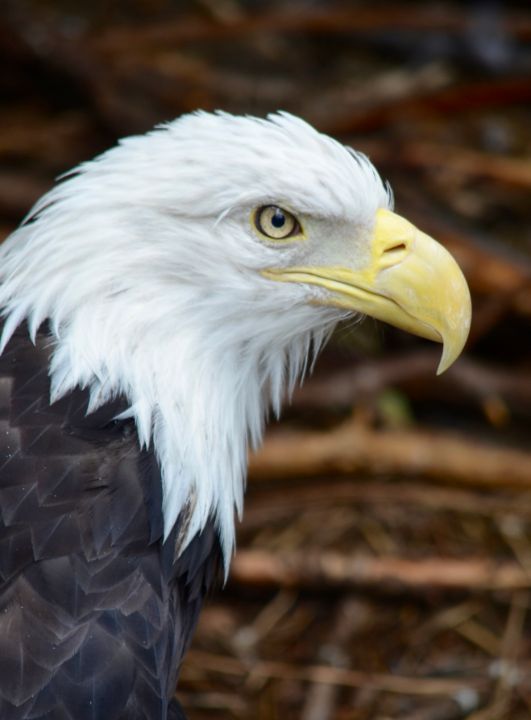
point(276, 223)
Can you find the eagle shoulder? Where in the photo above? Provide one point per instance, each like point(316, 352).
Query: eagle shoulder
point(96, 611)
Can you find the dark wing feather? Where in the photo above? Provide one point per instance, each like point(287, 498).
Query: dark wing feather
point(95, 611)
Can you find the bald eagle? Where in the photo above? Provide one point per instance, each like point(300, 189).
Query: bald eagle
point(156, 303)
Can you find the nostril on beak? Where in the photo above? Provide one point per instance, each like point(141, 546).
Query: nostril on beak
point(396, 248)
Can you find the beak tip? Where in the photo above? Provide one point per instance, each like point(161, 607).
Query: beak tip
point(454, 340)
point(448, 357)
point(442, 368)
point(450, 353)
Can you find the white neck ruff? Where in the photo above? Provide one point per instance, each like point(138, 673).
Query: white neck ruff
point(146, 264)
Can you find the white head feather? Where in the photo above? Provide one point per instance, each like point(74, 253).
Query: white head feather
point(146, 264)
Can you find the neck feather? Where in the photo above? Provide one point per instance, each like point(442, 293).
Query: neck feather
point(200, 348)
point(199, 388)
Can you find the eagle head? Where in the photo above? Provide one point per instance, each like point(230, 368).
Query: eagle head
point(195, 269)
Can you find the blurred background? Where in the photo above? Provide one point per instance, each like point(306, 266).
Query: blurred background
point(384, 561)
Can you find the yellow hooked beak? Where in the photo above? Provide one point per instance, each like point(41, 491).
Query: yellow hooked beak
point(410, 281)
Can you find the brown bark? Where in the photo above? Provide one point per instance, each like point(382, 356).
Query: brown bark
point(325, 568)
point(337, 676)
point(354, 448)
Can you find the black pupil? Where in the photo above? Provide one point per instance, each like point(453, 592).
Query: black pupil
point(279, 219)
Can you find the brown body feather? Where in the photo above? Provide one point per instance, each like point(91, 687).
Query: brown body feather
point(96, 611)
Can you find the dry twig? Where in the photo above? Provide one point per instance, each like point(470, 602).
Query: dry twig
point(318, 568)
point(467, 378)
point(354, 448)
point(335, 676)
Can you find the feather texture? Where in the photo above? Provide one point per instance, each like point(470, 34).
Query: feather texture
point(95, 611)
point(145, 263)
point(124, 427)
